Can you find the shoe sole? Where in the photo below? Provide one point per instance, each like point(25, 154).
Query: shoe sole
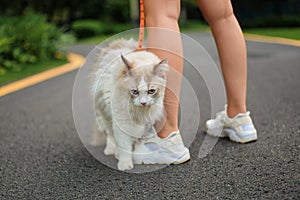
point(154, 163)
point(232, 135)
point(183, 159)
point(181, 162)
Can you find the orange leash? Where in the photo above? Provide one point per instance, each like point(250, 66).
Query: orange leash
point(142, 26)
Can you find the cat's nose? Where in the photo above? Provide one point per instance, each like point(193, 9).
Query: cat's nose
point(143, 103)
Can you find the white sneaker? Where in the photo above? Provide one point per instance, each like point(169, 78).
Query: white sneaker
point(155, 150)
point(238, 129)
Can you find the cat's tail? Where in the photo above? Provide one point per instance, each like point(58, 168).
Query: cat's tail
point(120, 44)
point(129, 43)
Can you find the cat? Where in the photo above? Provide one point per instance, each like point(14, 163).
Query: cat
point(129, 89)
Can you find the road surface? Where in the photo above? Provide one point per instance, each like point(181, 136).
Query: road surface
point(42, 157)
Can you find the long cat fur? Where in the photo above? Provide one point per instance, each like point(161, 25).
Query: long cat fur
point(119, 115)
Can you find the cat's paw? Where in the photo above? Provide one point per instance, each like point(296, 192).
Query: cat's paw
point(125, 165)
point(109, 150)
point(117, 154)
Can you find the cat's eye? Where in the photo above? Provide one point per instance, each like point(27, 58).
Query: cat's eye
point(134, 92)
point(151, 91)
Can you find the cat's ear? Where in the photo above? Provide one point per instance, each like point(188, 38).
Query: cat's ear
point(127, 62)
point(161, 68)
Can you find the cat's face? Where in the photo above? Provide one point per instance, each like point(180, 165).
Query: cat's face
point(145, 84)
point(144, 93)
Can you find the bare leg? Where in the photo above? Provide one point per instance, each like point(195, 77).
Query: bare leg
point(164, 15)
point(232, 51)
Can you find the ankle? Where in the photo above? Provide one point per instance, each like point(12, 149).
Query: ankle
point(233, 110)
point(166, 131)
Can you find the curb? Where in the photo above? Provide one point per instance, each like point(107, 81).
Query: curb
point(75, 61)
point(269, 39)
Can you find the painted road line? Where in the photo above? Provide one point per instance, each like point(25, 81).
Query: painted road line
point(75, 61)
point(269, 39)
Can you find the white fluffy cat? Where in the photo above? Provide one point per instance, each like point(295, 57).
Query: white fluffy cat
point(129, 89)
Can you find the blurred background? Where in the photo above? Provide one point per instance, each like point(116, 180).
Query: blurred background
point(32, 33)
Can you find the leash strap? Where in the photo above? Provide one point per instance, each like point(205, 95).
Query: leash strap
point(142, 26)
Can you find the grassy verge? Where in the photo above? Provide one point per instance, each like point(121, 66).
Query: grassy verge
point(197, 25)
point(284, 32)
point(30, 69)
point(187, 26)
point(290, 33)
point(193, 26)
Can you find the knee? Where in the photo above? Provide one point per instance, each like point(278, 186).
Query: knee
point(215, 17)
point(161, 18)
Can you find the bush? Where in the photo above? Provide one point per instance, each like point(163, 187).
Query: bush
point(86, 28)
point(113, 28)
point(28, 39)
point(89, 28)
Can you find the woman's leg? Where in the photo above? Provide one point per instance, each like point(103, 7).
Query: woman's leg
point(164, 40)
point(232, 51)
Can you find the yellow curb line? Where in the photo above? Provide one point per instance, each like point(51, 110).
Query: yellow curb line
point(75, 61)
point(269, 39)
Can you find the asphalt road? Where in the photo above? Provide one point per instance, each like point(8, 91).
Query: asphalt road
point(42, 157)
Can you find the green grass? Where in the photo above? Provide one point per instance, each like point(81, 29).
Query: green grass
point(113, 29)
point(30, 69)
point(187, 26)
point(284, 32)
point(193, 26)
point(290, 33)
